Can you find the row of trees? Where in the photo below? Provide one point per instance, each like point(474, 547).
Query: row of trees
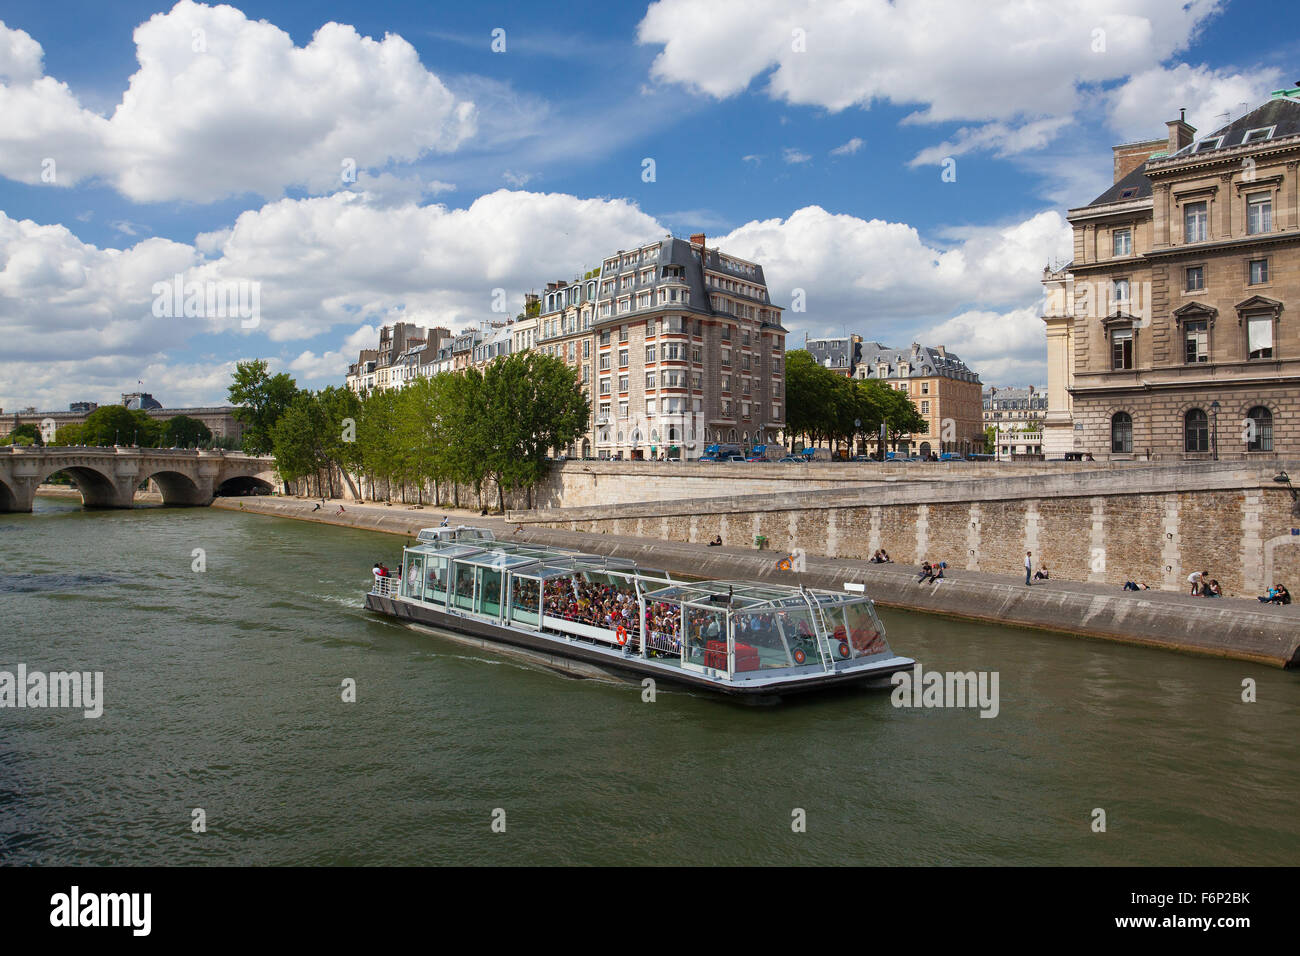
point(823, 406)
point(436, 435)
point(117, 425)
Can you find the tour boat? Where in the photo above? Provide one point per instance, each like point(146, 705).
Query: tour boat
point(577, 612)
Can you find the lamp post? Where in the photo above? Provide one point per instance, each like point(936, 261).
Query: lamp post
point(1214, 440)
point(857, 427)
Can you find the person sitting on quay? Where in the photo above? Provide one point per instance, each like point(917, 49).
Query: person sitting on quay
point(1134, 586)
point(716, 542)
point(1277, 594)
point(881, 557)
point(927, 573)
point(1041, 573)
point(1211, 589)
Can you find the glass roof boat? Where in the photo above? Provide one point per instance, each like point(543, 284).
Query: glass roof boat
point(730, 637)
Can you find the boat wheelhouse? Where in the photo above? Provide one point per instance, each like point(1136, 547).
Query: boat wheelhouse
point(732, 637)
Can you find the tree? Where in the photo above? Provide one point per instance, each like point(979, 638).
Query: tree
point(339, 409)
point(181, 431)
point(262, 399)
point(117, 425)
point(27, 433)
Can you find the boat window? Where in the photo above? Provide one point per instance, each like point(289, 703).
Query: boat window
point(413, 576)
point(865, 634)
point(488, 598)
point(462, 586)
point(435, 579)
point(524, 593)
point(706, 637)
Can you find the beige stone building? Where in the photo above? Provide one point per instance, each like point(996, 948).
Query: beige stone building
point(678, 346)
point(945, 391)
point(1173, 333)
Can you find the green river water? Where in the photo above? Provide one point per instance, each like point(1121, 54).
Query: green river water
point(223, 692)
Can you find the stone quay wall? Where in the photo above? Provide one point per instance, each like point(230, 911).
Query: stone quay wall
point(1153, 524)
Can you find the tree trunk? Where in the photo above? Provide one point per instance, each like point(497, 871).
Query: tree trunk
point(351, 487)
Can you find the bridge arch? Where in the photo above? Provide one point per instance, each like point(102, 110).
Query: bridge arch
point(8, 498)
point(98, 489)
point(178, 489)
point(238, 485)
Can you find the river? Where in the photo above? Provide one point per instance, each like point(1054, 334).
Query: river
point(222, 692)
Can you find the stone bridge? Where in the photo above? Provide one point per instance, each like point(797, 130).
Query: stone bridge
point(109, 477)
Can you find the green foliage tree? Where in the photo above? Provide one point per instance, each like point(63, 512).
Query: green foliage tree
point(27, 433)
point(181, 431)
point(262, 398)
point(117, 425)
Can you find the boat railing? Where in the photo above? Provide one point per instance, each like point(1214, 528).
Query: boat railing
point(386, 586)
point(661, 642)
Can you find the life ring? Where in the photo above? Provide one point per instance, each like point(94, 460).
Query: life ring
point(783, 564)
point(799, 655)
point(844, 649)
point(621, 632)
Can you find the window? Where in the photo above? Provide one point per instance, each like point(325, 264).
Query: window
point(1195, 279)
point(925, 388)
point(1196, 335)
point(726, 383)
point(622, 358)
point(1121, 348)
point(1196, 431)
point(726, 356)
point(1258, 271)
point(1259, 336)
point(622, 383)
point(604, 337)
point(622, 411)
point(1195, 217)
point(586, 348)
point(649, 380)
point(604, 386)
point(1122, 242)
point(925, 408)
point(1258, 135)
point(586, 374)
point(1119, 290)
point(1259, 213)
point(650, 407)
point(1205, 145)
point(622, 334)
point(604, 362)
point(649, 354)
point(1121, 433)
point(1259, 429)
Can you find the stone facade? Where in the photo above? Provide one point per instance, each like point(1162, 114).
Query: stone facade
point(1151, 524)
point(1182, 293)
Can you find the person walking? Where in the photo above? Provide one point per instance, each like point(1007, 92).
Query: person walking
point(1029, 566)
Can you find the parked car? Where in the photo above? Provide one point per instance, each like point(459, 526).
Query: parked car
point(788, 459)
point(981, 457)
point(951, 456)
point(708, 458)
point(739, 458)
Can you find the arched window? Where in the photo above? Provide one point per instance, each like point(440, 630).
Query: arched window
point(1196, 431)
point(732, 436)
point(620, 438)
point(1121, 433)
point(654, 436)
point(1259, 432)
point(672, 433)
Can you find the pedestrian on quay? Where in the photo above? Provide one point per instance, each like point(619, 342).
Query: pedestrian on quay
point(1029, 566)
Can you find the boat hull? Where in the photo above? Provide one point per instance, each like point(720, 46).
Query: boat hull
point(629, 665)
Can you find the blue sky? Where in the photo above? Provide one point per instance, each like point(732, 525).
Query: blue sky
point(810, 137)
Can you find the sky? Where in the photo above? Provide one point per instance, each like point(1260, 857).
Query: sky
point(902, 169)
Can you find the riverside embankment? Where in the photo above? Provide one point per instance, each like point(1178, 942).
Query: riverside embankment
point(1237, 628)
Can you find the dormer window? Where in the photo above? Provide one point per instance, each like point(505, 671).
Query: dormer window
point(1258, 135)
point(1205, 145)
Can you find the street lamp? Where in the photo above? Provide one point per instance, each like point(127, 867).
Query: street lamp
point(1214, 407)
point(857, 427)
point(1283, 478)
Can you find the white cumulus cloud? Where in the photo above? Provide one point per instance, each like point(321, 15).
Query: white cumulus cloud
point(222, 105)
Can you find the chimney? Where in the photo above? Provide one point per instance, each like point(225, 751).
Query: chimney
point(943, 352)
point(1129, 156)
point(698, 239)
point(1180, 133)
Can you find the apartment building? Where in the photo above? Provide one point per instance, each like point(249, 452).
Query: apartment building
point(678, 346)
point(1169, 335)
point(944, 390)
point(840, 355)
